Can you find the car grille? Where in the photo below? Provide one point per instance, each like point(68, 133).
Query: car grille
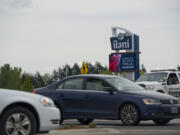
point(169, 102)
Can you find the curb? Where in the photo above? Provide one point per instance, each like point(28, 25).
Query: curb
point(95, 131)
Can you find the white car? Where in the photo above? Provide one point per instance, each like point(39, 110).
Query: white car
point(23, 113)
point(164, 81)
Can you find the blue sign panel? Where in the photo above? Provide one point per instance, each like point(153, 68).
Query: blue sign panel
point(122, 43)
point(122, 62)
point(127, 62)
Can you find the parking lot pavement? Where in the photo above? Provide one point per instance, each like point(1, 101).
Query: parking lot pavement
point(108, 127)
point(111, 131)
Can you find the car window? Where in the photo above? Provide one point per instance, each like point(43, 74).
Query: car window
point(95, 84)
point(152, 77)
point(74, 84)
point(61, 86)
point(123, 84)
point(172, 79)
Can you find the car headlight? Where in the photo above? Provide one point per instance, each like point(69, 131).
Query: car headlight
point(46, 101)
point(150, 87)
point(151, 102)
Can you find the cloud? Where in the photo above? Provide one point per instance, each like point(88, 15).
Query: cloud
point(15, 4)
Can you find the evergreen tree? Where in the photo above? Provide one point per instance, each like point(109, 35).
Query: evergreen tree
point(91, 69)
point(55, 75)
point(27, 85)
point(10, 78)
point(67, 70)
point(39, 80)
point(47, 78)
point(4, 75)
point(98, 68)
point(75, 69)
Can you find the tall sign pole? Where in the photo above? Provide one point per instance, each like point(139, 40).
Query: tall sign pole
point(126, 57)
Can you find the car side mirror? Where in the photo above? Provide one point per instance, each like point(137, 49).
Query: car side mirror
point(109, 89)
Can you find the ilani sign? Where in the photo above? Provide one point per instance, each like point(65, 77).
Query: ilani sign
point(122, 43)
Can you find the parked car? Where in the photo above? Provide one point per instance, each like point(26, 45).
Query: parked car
point(88, 97)
point(164, 81)
point(23, 113)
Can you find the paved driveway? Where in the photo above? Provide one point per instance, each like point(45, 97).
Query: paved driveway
point(108, 127)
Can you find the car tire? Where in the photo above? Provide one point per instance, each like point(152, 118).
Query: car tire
point(61, 116)
point(161, 121)
point(129, 114)
point(85, 121)
point(18, 120)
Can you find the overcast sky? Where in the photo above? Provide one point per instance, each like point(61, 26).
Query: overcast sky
point(42, 35)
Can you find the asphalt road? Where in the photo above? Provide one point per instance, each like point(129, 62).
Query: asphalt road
point(115, 127)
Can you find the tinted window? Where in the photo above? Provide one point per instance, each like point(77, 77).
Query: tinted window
point(75, 84)
point(61, 86)
point(95, 84)
point(152, 77)
point(123, 84)
point(172, 79)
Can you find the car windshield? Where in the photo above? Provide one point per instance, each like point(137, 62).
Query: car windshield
point(159, 77)
point(123, 84)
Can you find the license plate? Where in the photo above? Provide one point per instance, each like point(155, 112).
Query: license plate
point(174, 110)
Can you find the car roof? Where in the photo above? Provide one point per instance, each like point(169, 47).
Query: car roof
point(163, 72)
point(93, 76)
point(98, 76)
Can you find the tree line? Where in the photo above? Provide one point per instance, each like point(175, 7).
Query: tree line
point(14, 78)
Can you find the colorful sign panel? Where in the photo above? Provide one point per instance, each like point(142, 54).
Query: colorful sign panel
point(122, 62)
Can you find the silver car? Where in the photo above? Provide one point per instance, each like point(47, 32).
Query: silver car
point(23, 113)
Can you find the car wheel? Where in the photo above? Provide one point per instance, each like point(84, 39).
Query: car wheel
point(129, 114)
point(161, 121)
point(85, 121)
point(18, 121)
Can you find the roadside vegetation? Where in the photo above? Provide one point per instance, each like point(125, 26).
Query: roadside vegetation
point(14, 78)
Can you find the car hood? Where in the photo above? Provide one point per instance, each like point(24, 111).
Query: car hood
point(151, 94)
point(7, 92)
point(149, 83)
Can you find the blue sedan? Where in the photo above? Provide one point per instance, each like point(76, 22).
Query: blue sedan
point(88, 97)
